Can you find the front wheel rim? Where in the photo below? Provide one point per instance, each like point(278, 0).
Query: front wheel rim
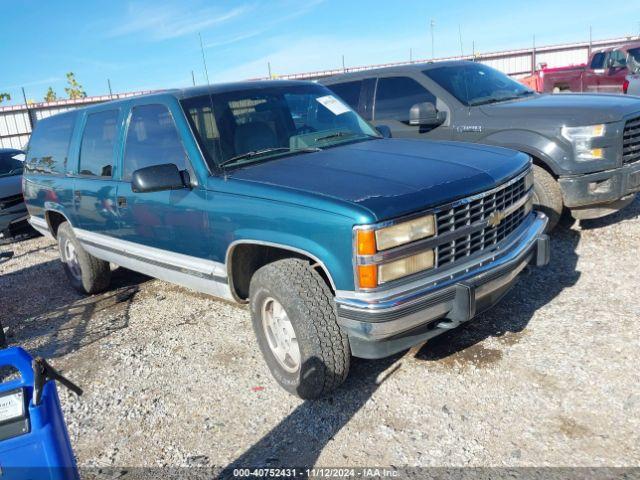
point(71, 259)
point(280, 335)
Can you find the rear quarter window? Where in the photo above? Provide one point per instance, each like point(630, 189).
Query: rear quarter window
point(49, 144)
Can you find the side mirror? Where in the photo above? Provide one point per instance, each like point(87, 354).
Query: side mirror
point(424, 114)
point(384, 130)
point(157, 178)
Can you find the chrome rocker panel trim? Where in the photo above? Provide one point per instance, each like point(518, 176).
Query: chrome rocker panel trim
point(199, 274)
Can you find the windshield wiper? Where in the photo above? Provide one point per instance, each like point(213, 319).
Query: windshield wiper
point(335, 135)
point(493, 99)
point(264, 151)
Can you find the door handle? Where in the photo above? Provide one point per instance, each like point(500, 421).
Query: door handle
point(122, 202)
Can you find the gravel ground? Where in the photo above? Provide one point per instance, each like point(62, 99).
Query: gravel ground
point(172, 378)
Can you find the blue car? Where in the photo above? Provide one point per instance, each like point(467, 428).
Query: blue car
point(13, 211)
point(277, 194)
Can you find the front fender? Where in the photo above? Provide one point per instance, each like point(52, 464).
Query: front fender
point(551, 153)
point(333, 259)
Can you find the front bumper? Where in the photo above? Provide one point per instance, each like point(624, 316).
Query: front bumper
point(598, 194)
point(383, 323)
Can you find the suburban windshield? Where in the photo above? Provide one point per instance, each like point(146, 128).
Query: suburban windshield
point(252, 125)
point(11, 163)
point(477, 84)
point(633, 62)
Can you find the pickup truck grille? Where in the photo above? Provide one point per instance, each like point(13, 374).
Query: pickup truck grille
point(8, 202)
point(631, 141)
point(461, 216)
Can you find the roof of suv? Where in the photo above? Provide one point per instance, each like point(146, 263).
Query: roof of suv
point(182, 93)
point(410, 67)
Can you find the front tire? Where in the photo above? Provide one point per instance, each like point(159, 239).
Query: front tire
point(86, 273)
point(295, 323)
point(547, 196)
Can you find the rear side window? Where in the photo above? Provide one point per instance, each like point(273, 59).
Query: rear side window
point(617, 59)
point(597, 62)
point(634, 59)
point(396, 95)
point(349, 92)
point(49, 144)
point(152, 139)
point(98, 141)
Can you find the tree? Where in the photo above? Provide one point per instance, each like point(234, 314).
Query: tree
point(50, 96)
point(74, 90)
point(4, 96)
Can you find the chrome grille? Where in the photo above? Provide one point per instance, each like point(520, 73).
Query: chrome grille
point(631, 141)
point(479, 209)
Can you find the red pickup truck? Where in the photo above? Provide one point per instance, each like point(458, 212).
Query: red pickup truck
point(605, 72)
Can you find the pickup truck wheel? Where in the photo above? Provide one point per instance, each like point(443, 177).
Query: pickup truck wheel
point(86, 273)
point(547, 196)
point(294, 319)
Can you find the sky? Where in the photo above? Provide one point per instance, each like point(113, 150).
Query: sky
point(154, 44)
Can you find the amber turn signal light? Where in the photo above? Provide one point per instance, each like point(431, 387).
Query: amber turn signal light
point(367, 276)
point(366, 242)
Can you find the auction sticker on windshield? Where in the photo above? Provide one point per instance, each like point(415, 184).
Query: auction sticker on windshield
point(11, 405)
point(333, 104)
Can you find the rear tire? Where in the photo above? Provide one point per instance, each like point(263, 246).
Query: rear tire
point(298, 297)
point(86, 273)
point(547, 196)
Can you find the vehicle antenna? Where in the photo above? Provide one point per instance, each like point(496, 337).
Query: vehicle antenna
point(210, 95)
point(464, 75)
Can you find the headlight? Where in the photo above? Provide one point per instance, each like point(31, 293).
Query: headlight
point(528, 206)
point(528, 180)
point(370, 242)
point(581, 137)
point(405, 232)
point(405, 266)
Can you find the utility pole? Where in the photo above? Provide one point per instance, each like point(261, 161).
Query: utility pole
point(533, 56)
point(432, 24)
point(269, 67)
point(26, 105)
point(109, 85)
point(411, 55)
point(590, 39)
point(193, 78)
point(343, 67)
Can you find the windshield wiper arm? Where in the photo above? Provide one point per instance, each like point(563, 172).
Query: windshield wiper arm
point(264, 151)
point(335, 135)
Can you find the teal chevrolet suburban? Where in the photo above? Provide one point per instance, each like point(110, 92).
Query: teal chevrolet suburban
point(277, 194)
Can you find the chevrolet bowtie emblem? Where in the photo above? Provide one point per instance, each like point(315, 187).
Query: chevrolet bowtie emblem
point(495, 218)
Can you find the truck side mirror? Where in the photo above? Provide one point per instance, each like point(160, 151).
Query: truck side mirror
point(384, 130)
point(157, 178)
point(424, 114)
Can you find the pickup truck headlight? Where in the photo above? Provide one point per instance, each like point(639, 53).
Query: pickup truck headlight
point(581, 139)
point(405, 266)
point(405, 232)
point(370, 242)
point(528, 180)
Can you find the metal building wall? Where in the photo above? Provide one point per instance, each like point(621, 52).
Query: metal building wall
point(15, 127)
